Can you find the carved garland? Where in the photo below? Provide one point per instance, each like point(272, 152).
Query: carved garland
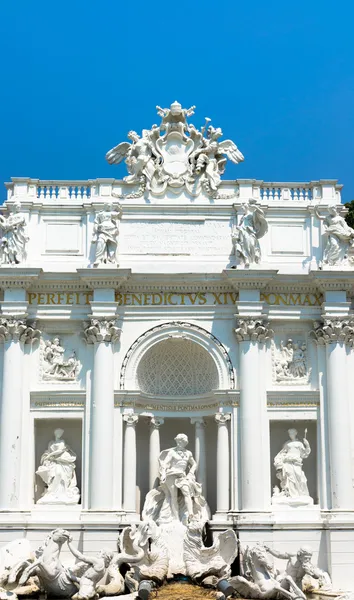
point(187, 326)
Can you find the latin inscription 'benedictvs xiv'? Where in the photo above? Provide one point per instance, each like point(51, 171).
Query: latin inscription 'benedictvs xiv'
point(173, 298)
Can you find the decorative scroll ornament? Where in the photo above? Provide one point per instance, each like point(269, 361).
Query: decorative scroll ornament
point(102, 330)
point(130, 418)
point(175, 154)
point(255, 330)
point(245, 236)
point(290, 362)
point(333, 330)
point(12, 329)
point(55, 365)
point(13, 237)
point(222, 418)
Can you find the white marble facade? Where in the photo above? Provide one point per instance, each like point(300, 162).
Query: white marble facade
point(176, 301)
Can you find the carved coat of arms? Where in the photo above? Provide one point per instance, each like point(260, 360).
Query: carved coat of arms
point(175, 154)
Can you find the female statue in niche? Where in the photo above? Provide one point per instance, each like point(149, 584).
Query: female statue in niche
point(289, 471)
point(57, 470)
point(178, 496)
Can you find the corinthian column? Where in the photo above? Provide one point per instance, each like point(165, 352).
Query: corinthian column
point(337, 335)
point(102, 333)
point(251, 333)
point(222, 464)
point(129, 486)
point(154, 450)
point(200, 452)
point(14, 333)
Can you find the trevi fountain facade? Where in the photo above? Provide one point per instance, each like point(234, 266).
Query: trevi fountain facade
point(177, 374)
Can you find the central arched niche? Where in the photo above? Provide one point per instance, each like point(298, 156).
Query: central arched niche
point(177, 367)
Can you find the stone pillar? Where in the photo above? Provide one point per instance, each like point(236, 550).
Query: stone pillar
point(102, 333)
point(222, 465)
point(14, 333)
point(154, 450)
point(250, 333)
point(337, 333)
point(200, 452)
point(129, 458)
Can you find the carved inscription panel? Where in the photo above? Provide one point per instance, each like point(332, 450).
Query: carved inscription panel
point(176, 237)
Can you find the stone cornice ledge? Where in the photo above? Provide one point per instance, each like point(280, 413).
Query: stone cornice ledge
point(242, 279)
point(327, 281)
point(104, 277)
point(18, 277)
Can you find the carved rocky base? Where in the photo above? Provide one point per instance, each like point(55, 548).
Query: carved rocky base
point(286, 501)
point(173, 534)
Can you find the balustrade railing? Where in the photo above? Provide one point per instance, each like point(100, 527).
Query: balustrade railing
point(262, 191)
point(60, 190)
point(299, 192)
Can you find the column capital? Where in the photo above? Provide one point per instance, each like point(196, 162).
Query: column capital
point(222, 418)
point(198, 421)
point(131, 419)
point(255, 330)
point(18, 330)
point(156, 422)
point(331, 330)
point(101, 330)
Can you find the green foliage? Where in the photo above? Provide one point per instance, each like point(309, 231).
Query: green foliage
point(349, 217)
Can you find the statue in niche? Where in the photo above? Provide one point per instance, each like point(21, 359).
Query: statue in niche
point(13, 237)
point(178, 496)
point(291, 362)
point(105, 235)
point(288, 465)
point(56, 367)
point(246, 235)
point(57, 470)
point(340, 237)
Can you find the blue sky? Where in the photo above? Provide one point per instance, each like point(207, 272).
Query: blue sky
point(277, 76)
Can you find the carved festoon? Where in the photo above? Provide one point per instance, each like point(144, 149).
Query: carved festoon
point(245, 236)
point(13, 329)
point(56, 366)
point(13, 236)
point(102, 330)
point(175, 154)
point(257, 330)
point(332, 330)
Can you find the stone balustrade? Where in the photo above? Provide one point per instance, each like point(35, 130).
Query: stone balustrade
point(325, 191)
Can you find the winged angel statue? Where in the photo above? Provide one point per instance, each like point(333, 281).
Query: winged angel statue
point(175, 154)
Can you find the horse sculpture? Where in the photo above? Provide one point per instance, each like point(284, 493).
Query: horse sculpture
point(56, 580)
point(261, 580)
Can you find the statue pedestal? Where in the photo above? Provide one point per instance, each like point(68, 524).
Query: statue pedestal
point(286, 502)
point(173, 535)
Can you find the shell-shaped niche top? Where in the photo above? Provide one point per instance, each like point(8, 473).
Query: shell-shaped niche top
point(175, 155)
